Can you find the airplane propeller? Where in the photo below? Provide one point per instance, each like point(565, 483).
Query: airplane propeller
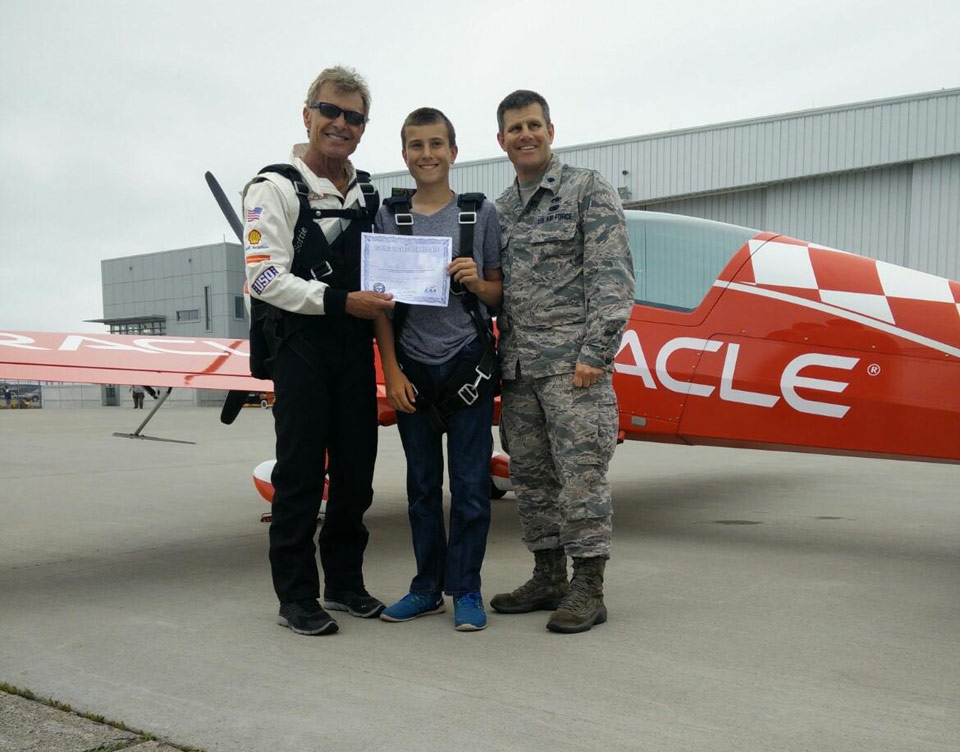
point(235, 399)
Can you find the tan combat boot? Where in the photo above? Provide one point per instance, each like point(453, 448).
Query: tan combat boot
point(543, 591)
point(582, 606)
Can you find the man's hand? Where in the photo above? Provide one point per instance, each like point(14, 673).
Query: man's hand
point(368, 305)
point(464, 271)
point(585, 375)
point(400, 392)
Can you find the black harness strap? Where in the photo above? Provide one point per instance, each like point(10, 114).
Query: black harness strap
point(399, 207)
point(313, 258)
point(471, 378)
point(469, 204)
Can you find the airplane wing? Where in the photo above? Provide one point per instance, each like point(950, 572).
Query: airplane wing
point(198, 363)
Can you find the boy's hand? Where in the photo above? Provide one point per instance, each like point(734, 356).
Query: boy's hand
point(464, 271)
point(400, 392)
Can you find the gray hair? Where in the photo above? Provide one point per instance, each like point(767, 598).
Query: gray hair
point(518, 100)
point(345, 80)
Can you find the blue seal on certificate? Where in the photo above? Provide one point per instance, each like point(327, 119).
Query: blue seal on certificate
point(379, 287)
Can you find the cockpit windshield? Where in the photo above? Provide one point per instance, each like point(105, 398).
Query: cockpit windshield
point(677, 259)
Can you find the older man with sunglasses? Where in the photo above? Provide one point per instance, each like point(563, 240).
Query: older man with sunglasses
point(302, 247)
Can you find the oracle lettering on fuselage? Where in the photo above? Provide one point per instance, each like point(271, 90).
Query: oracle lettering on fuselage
point(790, 377)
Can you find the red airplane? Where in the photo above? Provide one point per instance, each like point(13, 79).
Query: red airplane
point(737, 338)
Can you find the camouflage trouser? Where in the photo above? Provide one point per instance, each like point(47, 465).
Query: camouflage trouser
point(560, 439)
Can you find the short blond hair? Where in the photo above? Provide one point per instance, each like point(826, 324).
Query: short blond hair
point(345, 80)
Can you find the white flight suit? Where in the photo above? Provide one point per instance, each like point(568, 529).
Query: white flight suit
point(270, 212)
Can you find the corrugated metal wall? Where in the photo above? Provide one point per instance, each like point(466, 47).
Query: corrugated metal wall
point(934, 219)
point(861, 212)
point(880, 178)
point(744, 208)
point(908, 215)
point(776, 149)
point(749, 152)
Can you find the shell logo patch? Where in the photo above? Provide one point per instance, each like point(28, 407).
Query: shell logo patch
point(253, 237)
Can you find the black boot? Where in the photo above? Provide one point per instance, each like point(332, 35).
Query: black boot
point(543, 591)
point(582, 606)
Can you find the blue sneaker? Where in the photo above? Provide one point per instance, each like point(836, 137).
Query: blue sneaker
point(468, 613)
point(413, 605)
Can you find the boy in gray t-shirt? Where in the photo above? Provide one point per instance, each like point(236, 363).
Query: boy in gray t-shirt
point(438, 340)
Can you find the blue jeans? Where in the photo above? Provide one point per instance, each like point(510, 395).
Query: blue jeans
point(452, 567)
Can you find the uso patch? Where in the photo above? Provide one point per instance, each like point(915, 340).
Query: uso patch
point(261, 282)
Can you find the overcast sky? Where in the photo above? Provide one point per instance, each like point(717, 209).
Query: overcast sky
point(112, 111)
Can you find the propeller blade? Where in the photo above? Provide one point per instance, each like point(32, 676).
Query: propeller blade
point(224, 203)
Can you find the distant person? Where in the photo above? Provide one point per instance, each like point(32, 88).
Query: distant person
point(303, 222)
point(430, 355)
point(7, 396)
point(567, 291)
point(138, 392)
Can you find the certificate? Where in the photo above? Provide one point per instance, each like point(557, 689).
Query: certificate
point(413, 268)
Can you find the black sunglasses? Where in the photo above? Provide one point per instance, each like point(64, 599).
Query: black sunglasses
point(352, 117)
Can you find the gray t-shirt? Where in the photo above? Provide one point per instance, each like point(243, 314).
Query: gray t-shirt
point(527, 189)
point(432, 334)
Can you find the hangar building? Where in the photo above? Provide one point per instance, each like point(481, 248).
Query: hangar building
point(879, 178)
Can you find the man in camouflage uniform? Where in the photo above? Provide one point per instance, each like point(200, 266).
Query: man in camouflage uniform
point(568, 288)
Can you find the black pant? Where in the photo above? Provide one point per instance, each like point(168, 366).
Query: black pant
point(327, 409)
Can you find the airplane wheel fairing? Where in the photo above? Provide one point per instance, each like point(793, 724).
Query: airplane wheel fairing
point(500, 475)
point(262, 479)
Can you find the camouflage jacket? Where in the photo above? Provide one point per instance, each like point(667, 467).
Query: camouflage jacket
point(568, 274)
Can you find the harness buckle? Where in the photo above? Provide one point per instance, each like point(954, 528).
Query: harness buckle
point(467, 218)
point(481, 376)
point(367, 189)
point(468, 393)
point(321, 270)
point(300, 188)
point(403, 220)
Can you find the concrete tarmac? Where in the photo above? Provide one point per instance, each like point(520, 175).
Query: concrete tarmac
point(758, 601)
